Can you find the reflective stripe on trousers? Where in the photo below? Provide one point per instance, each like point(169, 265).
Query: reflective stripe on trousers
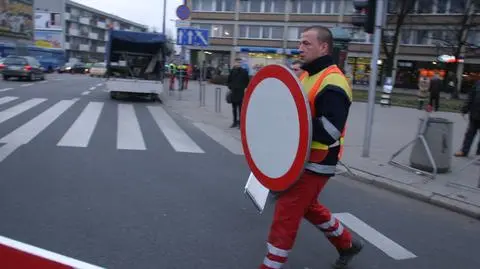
point(331, 228)
point(321, 168)
point(276, 257)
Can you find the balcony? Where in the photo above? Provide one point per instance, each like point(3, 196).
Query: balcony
point(93, 35)
point(73, 46)
point(74, 32)
point(67, 45)
point(84, 20)
point(84, 47)
point(101, 24)
point(67, 16)
point(101, 49)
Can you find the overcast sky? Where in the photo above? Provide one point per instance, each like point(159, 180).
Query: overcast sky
point(148, 12)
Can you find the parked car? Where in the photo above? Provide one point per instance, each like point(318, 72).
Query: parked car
point(98, 70)
point(22, 67)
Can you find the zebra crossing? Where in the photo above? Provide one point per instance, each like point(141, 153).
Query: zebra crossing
point(79, 132)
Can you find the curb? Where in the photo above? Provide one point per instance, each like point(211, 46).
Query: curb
point(433, 198)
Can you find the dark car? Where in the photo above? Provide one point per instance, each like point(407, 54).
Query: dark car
point(22, 67)
point(74, 68)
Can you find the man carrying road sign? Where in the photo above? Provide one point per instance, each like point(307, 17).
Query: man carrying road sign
point(320, 132)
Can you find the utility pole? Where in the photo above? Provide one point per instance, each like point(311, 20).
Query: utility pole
point(164, 16)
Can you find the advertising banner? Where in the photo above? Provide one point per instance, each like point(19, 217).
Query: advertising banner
point(46, 20)
point(16, 19)
point(48, 39)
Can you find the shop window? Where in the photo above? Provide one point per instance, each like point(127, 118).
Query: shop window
point(331, 6)
point(218, 5)
point(256, 6)
point(457, 6)
point(230, 5)
point(279, 6)
point(254, 32)
point(196, 6)
point(266, 32)
point(421, 37)
point(207, 5)
point(441, 6)
point(405, 36)
point(277, 32)
point(292, 33)
point(216, 31)
point(243, 31)
point(437, 37)
point(425, 6)
point(473, 38)
point(244, 6)
point(227, 31)
point(304, 6)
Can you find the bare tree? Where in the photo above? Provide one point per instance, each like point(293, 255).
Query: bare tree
point(456, 43)
point(397, 12)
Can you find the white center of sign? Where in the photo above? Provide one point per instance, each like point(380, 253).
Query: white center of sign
point(273, 146)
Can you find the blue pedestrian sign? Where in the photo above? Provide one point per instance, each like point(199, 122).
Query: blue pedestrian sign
point(192, 37)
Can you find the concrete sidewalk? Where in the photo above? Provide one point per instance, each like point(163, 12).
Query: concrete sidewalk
point(393, 127)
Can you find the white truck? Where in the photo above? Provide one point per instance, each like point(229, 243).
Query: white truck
point(135, 64)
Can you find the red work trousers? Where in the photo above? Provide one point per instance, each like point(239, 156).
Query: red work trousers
point(300, 201)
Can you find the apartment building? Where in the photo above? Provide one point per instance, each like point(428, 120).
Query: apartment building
point(83, 30)
point(267, 31)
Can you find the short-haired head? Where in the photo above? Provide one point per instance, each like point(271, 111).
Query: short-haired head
point(315, 42)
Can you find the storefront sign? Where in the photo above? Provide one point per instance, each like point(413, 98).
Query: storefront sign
point(17, 19)
point(48, 39)
point(46, 20)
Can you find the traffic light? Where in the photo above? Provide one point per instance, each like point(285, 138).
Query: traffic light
point(365, 14)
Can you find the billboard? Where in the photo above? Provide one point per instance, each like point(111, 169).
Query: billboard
point(16, 19)
point(49, 39)
point(46, 20)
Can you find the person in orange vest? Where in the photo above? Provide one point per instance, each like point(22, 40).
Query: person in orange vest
point(330, 96)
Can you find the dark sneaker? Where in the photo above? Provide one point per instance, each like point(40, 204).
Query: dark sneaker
point(347, 255)
point(234, 125)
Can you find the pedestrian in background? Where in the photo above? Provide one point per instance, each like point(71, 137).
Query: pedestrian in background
point(436, 85)
point(472, 107)
point(297, 67)
point(237, 82)
point(423, 87)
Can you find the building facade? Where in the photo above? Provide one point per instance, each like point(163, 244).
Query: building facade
point(17, 18)
point(268, 31)
point(81, 30)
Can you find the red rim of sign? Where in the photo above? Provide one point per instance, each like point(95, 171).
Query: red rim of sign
point(293, 173)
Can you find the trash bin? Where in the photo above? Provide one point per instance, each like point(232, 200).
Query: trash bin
point(439, 136)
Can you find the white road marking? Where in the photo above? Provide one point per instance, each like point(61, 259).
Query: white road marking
point(129, 134)
point(85, 93)
point(382, 242)
point(82, 129)
point(26, 84)
point(92, 88)
point(31, 129)
point(45, 254)
point(179, 140)
point(6, 150)
point(7, 99)
point(99, 84)
point(20, 108)
point(58, 79)
point(6, 89)
point(43, 81)
point(227, 141)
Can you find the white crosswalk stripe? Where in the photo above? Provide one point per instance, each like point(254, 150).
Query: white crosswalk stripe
point(79, 133)
point(179, 140)
point(129, 135)
point(82, 129)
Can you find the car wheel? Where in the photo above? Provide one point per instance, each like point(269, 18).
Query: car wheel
point(6, 77)
point(31, 77)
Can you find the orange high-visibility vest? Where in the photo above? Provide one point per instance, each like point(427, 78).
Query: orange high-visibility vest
point(320, 151)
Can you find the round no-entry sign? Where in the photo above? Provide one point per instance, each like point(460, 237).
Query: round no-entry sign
point(276, 127)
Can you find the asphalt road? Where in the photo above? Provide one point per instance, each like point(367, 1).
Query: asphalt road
point(127, 184)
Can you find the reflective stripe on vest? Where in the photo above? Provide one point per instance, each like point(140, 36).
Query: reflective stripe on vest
point(328, 126)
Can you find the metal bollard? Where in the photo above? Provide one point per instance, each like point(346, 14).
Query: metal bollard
point(202, 94)
point(218, 98)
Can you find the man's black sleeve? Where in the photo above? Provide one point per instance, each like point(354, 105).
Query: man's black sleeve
point(332, 106)
point(469, 102)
